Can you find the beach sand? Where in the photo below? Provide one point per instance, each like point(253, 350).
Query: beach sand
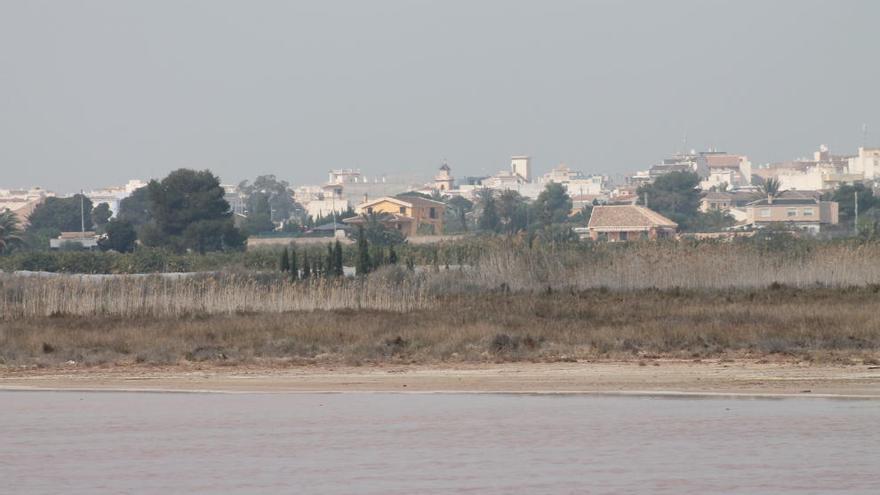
point(707, 377)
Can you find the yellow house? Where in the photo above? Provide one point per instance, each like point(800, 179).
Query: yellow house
point(411, 215)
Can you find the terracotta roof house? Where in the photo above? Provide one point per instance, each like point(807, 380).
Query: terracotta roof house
point(628, 222)
point(411, 215)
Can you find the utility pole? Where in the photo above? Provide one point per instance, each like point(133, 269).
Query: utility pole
point(856, 201)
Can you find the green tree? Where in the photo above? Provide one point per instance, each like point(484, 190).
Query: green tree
point(455, 218)
point(513, 212)
point(120, 236)
point(582, 216)
point(392, 255)
point(189, 212)
point(675, 195)
point(770, 187)
point(101, 215)
point(307, 267)
point(416, 194)
point(337, 259)
point(135, 209)
point(284, 264)
point(259, 217)
point(363, 266)
point(10, 231)
point(377, 234)
point(278, 195)
point(294, 265)
point(553, 205)
point(62, 215)
point(488, 219)
point(712, 221)
point(330, 262)
point(845, 196)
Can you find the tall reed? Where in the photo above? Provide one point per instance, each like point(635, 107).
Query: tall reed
point(127, 296)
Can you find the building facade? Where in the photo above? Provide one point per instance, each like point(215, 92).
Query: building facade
point(412, 215)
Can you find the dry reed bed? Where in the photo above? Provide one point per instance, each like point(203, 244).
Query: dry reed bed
point(134, 297)
point(679, 265)
point(706, 266)
point(816, 324)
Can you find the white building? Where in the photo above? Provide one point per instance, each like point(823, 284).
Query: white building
point(326, 206)
point(22, 202)
point(574, 182)
point(867, 163)
point(114, 194)
point(444, 181)
point(522, 166)
point(724, 168)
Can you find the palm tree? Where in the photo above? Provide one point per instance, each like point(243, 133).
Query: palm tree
point(9, 230)
point(770, 187)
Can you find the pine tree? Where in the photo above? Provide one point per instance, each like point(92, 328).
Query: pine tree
point(337, 259)
point(294, 267)
point(284, 264)
point(392, 255)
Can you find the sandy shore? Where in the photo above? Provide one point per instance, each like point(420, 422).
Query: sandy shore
point(665, 376)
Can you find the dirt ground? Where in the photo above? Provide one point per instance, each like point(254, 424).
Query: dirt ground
point(706, 377)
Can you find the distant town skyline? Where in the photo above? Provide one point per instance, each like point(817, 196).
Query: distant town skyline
point(98, 92)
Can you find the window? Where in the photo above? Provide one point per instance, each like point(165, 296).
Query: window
point(623, 236)
point(791, 212)
point(765, 212)
point(432, 213)
point(808, 212)
point(403, 210)
point(369, 210)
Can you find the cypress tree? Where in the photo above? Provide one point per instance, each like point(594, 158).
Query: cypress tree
point(378, 256)
point(392, 255)
point(337, 259)
point(294, 267)
point(284, 264)
point(331, 262)
point(307, 268)
point(363, 260)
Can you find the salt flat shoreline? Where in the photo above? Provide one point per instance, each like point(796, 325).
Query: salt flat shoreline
point(661, 377)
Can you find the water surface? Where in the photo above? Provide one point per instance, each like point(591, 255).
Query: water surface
point(93, 442)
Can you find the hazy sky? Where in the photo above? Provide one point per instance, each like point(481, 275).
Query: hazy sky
point(93, 93)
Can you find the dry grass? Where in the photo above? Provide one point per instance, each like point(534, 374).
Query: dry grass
point(643, 301)
point(816, 324)
point(682, 265)
point(134, 297)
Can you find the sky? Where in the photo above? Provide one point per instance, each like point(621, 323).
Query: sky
point(93, 93)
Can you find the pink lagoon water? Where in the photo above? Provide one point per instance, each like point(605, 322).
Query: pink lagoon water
point(93, 442)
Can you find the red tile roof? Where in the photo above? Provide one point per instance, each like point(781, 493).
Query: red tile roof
point(627, 217)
